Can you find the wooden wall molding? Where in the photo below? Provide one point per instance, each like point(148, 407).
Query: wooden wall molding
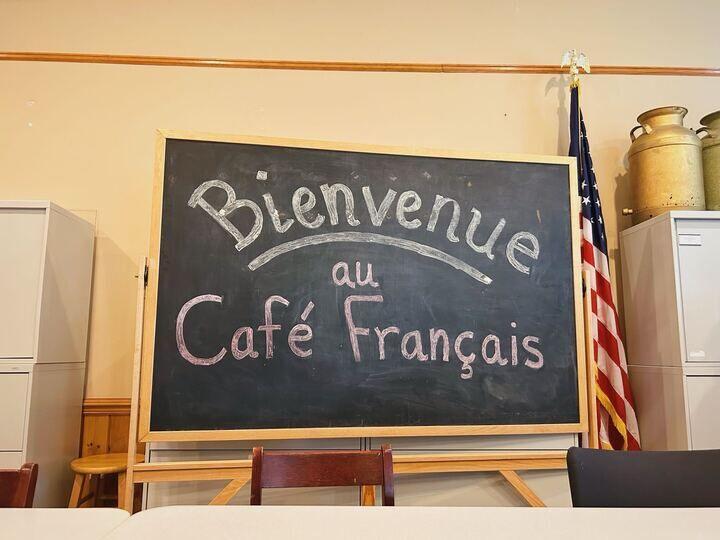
point(309, 65)
point(105, 426)
point(102, 406)
point(105, 429)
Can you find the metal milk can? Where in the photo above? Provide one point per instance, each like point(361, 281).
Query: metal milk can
point(665, 165)
point(711, 159)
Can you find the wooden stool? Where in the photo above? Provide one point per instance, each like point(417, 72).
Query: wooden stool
point(87, 467)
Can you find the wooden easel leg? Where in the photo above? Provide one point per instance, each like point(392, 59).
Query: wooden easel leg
point(367, 495)
point(523, 489)
point(129, 484)
point(121, 489)
point(229, 491)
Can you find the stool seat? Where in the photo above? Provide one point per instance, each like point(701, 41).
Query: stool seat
point(102, 463)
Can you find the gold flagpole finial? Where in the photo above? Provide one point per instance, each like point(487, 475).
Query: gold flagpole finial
point(576, 61)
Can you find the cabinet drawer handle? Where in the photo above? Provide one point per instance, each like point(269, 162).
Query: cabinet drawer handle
point(690, 239)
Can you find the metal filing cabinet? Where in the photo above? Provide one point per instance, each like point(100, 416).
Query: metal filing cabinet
point(671, 286)
point(45, 274)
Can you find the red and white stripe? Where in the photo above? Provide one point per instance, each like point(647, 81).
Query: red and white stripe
point(612, 374)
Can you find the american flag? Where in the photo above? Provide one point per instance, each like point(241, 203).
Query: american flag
point(617, 423)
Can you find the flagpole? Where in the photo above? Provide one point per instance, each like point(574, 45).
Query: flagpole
point(577, 61)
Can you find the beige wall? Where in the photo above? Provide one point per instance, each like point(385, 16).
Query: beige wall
point(83, 135)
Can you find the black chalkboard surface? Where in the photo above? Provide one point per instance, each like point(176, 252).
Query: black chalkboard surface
point(316, 289)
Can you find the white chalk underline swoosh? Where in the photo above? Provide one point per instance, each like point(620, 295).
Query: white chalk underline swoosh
point(420, 249)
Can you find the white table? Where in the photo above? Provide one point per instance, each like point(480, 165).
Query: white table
point(415, 523)
point(59, 523)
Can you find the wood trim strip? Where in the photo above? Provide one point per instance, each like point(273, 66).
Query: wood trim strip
point(141, 476)
point(145, 434)
point(239, 469)
point(397, 459)
point(309, 65)
point(106, 406)
point(146, 333)
point(135, 400)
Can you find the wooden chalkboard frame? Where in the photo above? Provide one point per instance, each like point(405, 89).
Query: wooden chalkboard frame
point(149, 318)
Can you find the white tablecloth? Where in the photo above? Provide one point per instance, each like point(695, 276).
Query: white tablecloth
point(59, 523)
point(416, 523)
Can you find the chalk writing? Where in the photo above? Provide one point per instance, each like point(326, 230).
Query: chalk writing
point(522, 249)
point(412, 345)
point(370, 238)
point(341, 275)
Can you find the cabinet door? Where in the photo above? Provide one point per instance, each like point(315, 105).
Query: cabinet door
point(21, 252)
point(11, 460)
point(703, 395)
point(699, 261)
point(13, 407)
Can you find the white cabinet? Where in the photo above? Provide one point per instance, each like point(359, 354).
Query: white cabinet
point(671, 290)
point(22, 233)
point(13, 404)
point(45, 275)
point(698, 248)
point(703, 397)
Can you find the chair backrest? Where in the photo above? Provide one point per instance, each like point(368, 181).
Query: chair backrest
point(17, 486)
point(287, 469)
point(600, 478)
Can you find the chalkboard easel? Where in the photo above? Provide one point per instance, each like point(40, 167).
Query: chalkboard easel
point(237, 471)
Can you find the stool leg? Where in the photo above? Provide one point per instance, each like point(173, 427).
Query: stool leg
point(76, 490)
point(93, 495)
point(121, 489)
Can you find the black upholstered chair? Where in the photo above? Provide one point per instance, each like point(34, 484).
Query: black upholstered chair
point(600, 478)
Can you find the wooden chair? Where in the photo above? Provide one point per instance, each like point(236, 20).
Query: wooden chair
point(286, 469)
point(17, 487)
point(677, 479)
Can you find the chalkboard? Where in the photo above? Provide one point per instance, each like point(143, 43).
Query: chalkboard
point(304, 289)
